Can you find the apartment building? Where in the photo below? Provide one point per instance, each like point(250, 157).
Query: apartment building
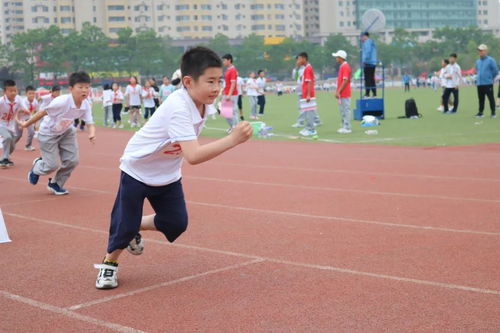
point(179, 19)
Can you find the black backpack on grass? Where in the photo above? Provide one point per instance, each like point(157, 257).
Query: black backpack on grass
point(411, 110)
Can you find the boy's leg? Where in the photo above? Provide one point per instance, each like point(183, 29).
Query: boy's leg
point(18, 133)
point(446, 96)
point(171, 217)
point(236, 116)
point(126, 215)
point(309, 118)
point(8, 139)
point(49, 149)
point(491, 98)
point(481, 95)
point(253, 106)
point(31, 134)
point(455, 99)
point(345, 111)
point(68, 150)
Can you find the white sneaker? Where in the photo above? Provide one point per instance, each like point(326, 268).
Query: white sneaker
point(136, 245)
point(306, 132)
point(297, 125)
point(440, 109)
point(107, 278)
point(121, 126)
point(29, 148)
point(344, 131)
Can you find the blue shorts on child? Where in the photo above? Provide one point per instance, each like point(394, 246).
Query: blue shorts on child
point(167, 201)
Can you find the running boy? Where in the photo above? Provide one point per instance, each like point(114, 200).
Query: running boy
point(57, 135)
point(31, 104)
point(11, 105)
point(151, 163)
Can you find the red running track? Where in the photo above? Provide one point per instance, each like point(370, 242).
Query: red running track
point(283, 236)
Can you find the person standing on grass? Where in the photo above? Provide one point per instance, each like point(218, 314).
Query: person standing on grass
point(406, 81)
point(57, 137)
point(151, 164)
point(369, 60)
point(261, 99)
point(117, 98)
point(252, 94)
point(452, 79)
point(343, 92)
point(166, 89)
point(486, 69)
point(308, 94)
point(148, 95)
point(133, 97)
point(240, 84)
point(107, 103)
point(230, 92)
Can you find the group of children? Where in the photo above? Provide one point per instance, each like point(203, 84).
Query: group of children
point(148, 95)
point(152, 160)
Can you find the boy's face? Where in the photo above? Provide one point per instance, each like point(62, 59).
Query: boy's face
point(10, 93)
point(226, 62)
point(30, 94)
point(261, 74)
point(452, 60)
point(166, 81)
point(206, 88)
point(80, 91)
point(339, 60)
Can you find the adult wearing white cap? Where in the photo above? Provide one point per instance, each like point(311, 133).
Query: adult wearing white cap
point(343, 91)
point(486, 69)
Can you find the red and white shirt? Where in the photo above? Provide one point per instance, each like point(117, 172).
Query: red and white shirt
point(8, 111)
point(344, 74)
point(307, 77)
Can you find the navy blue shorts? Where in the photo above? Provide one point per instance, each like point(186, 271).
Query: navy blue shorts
point(167, 201)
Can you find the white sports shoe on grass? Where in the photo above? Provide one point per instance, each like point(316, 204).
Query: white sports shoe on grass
point(344, 131)
point(136, 245)
point(107, 278)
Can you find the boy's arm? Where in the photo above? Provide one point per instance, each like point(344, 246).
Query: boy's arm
point(195, 153)
point(39, 115)
point(341, 88)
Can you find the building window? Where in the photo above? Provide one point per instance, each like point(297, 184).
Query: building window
point(280, 27)
point(257, 6)
point(183, 28)
point(181, 7)
point(206, 28)
point(117, 7)
point(257, 17)
point(279, 6)
point(206, 17)
point(116, 19)
point(206, 7)
point(179, 18)
point(65, 8)
point(279, 16)
point(66, 19)
point(115, 30)
point(256, 27)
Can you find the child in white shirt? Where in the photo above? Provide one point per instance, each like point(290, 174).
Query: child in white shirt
point(57, 135)
point(11, 108)
point(117, 98)
point(31, 104)
point(148, 95)
point(107, 103)
point(151, 163)
point(133, 97)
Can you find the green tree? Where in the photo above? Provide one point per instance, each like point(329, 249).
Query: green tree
point(23, 52)
point(250, 54)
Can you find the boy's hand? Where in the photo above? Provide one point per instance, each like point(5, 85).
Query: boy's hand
point(241, 132)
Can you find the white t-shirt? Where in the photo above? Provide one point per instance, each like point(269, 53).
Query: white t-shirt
point(8, 114)
point(134, 95)
point(117, 96)
point(153, 155)
point(45, 101)
point(452, 75)
point(62, 112)
point(148, 96)
point(107, 97)
point(239, 84)
point(32, 107)
point(252, 87)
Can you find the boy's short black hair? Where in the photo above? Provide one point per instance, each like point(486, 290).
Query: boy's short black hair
point(228, 56)
point(454, 55)
point(55, 88)
point(9, 83)
point(30, 88)
point(106, 86)
point(260, 71)
point(78, 77)
point(195, 61)
point(303, 55)
point(367, 34)
point(446, 61)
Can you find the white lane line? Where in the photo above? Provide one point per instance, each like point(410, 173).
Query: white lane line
point(354, 172)
point(68, 313)
point(286, 262)
point(343, 190)
point(163, 284)
point(345, 219)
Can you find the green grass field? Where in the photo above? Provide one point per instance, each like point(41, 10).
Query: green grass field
point(433, 129)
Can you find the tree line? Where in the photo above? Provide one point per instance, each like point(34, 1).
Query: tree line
point(49, 50)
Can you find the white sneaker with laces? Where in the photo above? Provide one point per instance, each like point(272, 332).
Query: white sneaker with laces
point(306, 132)
point(440, 109)
point(107, 278)
point(136, 245)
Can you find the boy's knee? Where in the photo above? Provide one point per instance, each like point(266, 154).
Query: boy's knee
point(171, 226)
point(50, 166)
point(72, 163)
